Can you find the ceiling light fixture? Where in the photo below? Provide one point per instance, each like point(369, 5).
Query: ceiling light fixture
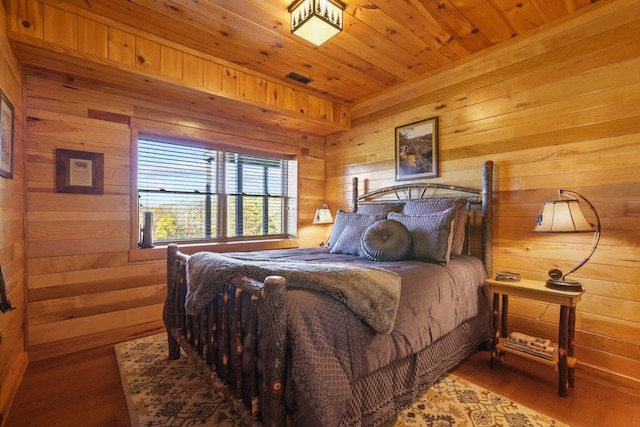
point(316, 20)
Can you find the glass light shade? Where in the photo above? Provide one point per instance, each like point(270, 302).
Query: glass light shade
point(562, 216)
point(316, 20)
point(323, 216)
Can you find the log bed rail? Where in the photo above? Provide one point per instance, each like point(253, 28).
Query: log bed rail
point(244, 357)
point(222, 348)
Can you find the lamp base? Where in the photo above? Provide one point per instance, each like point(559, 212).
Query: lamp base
point(566, 285)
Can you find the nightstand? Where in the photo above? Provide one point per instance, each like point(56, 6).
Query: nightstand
point(563, 359)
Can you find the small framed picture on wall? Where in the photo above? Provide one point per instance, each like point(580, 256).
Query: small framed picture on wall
point(79, 172)
point(6, 136)
point(417, 150)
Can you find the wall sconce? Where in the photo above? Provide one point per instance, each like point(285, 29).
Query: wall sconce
point(565, 216)
point(316, 20)
point(323, 215)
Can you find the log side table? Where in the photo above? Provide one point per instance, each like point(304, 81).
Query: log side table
point(563, 359)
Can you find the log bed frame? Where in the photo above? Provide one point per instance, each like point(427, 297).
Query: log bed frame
point(221, 348)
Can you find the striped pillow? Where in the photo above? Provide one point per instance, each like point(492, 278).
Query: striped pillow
point(380, 208)
point(346, 218)
point(434, 205)
point(431, 234)
point(349, 242)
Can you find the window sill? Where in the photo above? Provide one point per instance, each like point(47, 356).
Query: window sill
point(160, 252)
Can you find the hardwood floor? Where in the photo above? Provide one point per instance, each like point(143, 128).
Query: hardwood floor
point(78, 390)
point(84, 390)
point(590, 403)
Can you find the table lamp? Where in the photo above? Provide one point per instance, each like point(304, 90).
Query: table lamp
point(323, 215)
point(565, 216)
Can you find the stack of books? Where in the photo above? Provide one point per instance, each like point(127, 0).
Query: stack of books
point(532, 345)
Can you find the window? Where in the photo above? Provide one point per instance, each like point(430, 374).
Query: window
point(201, 194)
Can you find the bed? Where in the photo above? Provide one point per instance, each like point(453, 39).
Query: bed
point(348, 333)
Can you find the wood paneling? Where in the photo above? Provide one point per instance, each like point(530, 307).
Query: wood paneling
point(384, 42)
point(558, 109)
point(86, 278)
point(13, 357)
point(85, 39)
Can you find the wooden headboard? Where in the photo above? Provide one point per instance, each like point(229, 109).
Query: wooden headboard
point(480, 204)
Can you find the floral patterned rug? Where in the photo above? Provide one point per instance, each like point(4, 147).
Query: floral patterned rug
point(174, 393)
point(452, 401)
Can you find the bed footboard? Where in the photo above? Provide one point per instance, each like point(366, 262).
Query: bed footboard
point(239, 340)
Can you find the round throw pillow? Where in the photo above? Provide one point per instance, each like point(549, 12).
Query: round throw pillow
point(386, 240)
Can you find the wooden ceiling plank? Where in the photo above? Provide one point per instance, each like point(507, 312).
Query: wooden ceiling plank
point(397, 54)
point(93, 37)
point(521, 14)
point(551, 10)
point(29, 17)
point(60, 26)
point(457, 24)
point(417, 20)
point(486, 19)
point(395, 31)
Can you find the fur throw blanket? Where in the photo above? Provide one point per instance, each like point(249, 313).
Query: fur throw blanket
point(371, 293)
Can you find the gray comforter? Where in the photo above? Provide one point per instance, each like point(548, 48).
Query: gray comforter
point(332, 348)
point(371, 293)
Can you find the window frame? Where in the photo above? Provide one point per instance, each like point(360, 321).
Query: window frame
point(239, 243)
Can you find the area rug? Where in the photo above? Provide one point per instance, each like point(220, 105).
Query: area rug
point(174, 393)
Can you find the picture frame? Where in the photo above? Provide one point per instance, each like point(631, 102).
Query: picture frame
point(6, 136)
point(417, 150)
point(79, 172)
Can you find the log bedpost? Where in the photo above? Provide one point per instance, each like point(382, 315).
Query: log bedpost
point(354, 194)
point(275, 342)
point(487, 217)
point(170, 313)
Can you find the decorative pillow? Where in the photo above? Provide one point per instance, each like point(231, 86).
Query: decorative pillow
point(429, 206)
point(349, 242)
point(431, 234)
point(379, 209)
point(346, 218)
point(386, 240)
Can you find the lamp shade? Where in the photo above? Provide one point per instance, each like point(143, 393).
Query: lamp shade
point(562, 216)
point(323, 215)
point(316, 20)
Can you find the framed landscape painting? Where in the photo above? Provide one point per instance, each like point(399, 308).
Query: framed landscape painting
point(6, 136)
point(417, 150)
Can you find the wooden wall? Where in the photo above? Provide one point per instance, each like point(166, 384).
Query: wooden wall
point(557, 109)
point(13, 358)
point(87, 282)
point(63, 37)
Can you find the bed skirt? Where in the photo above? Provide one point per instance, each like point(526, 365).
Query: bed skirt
point(396, 386)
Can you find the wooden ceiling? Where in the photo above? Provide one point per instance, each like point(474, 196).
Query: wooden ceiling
point(384, 42)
